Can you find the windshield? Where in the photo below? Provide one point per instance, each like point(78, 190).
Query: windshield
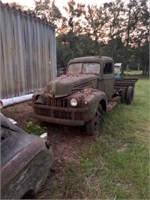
point(75, 68)
point(85, 68)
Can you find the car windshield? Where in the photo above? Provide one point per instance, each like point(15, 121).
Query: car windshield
point(85, 68)
point(75, 68)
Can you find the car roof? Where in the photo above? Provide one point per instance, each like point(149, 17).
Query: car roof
point(91, 59)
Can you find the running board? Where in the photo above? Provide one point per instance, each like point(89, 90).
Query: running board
point(111, 105)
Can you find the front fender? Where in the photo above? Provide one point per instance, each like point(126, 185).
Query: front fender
point(93, 100)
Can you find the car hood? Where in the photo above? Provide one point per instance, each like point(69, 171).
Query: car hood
point(17, 149)
point(22, 156)
point(67, 84)
point(13, 139)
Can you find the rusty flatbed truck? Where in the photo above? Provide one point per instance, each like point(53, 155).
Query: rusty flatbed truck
point(78, 97)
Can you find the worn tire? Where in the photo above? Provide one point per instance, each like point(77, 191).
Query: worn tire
point(123, 95)
point(29, 195)
point(92, 127)
point(129, 95)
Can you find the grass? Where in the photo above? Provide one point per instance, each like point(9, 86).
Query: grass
point(133, 72)
point(116, 165)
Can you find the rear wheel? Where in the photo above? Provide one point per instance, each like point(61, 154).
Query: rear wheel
point(123, 95)
point(92, 127)
point(129, 95)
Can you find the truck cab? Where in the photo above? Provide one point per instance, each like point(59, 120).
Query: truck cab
point(78, 97)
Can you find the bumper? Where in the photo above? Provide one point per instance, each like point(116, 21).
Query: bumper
point(59, 115)
point(59, 121)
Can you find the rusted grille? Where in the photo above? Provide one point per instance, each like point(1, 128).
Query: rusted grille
point(58, 114)
point(59, 102)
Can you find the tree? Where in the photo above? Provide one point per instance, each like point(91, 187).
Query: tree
point(115, 29)
point(64, 53)
point(138, 31)
point(74, 22)
point(17, 6)
point(47, 10)
point(95, 25)
point(115, 12)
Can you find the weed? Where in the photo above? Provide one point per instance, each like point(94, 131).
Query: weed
point(35, 128)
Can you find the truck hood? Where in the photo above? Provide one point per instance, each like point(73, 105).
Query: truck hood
point(68, 84)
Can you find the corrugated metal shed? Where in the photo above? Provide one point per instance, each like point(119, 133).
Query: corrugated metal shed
point(28, 53)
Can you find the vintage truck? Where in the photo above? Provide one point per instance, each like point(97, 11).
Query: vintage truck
point(78, 97)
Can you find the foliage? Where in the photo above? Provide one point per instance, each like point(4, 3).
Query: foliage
point(114, 29)
point(47, 10)
point(70, 46)
point(35, 128)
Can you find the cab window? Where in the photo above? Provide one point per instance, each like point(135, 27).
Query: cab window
point(108, 69)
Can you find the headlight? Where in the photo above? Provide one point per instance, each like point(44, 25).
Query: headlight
point(73, 102)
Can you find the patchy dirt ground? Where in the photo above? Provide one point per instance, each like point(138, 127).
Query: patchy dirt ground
point(66, 143)
point(21, 113)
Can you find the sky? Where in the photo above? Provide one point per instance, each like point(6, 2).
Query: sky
point(59, 3)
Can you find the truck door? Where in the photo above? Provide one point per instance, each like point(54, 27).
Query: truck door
point(108, 79)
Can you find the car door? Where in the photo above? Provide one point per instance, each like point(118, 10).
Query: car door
point(108, 78)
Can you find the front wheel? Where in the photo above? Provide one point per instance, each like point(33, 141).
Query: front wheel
point(92, 127)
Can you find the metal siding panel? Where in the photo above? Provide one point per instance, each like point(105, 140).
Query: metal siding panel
point(47, 57)
point(9, 53)
point(53, 55)
point(4, 63)
point(17, 53)
point(15, 50)
point(20, 54)
point(2, 60)
point(43, 57)
point(50, 52)
point(38, 51)
point(35, 55)
point(30, 49)
point(28, 56)
point(50, 59)
point(24, 49)
point(15, 75)
point(38, 54)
